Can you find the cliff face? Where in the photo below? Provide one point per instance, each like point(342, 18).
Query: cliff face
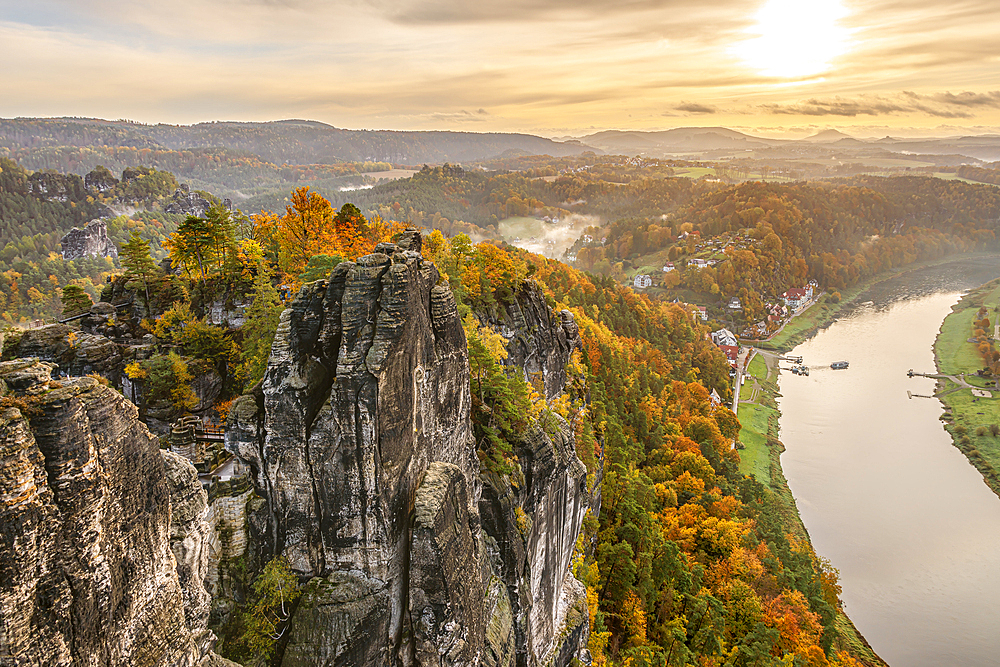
point(360, 443)
point(89, 241)
point(87, 574)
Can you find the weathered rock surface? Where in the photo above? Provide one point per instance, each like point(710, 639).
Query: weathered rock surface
point(90, 241)
point(539, 342)
point(75, 352)
point(87, 575)
point(361, 446)
point(185, 202)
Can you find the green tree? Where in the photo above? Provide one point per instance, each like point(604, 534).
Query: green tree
point(75, 301)
point(261, 324)
point(319, 267)
point(274, 592)
point(140, 268)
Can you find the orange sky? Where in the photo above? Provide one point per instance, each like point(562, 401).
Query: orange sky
point(555, 67)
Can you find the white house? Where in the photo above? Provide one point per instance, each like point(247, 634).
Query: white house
point(668, 267)
point(734, 304)
point(724, 337)
point(642, 280)
point(699, 263)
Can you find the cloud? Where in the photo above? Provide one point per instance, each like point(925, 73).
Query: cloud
point(938, 105)
point(462, 116)
point(967, 99)
point(694, 107)
point(521, 11)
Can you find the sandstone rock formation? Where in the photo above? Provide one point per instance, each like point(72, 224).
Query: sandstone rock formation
point(75, 352)
point(87, 574)
point(360, 441)
point(185, 202)
point(90, 241)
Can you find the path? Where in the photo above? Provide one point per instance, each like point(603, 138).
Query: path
point(957, 379)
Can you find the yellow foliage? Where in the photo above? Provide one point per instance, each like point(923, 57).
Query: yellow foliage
point(634, 619)
point(135, 371)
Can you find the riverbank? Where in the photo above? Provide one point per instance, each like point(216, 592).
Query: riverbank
point(760, 457)
point(971, 420)
point(824, 311)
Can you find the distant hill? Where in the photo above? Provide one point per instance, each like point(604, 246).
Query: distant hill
point(677, 140)
point(280, 142)
point(828, 137)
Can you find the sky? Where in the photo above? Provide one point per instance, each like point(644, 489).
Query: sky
point(550, 67)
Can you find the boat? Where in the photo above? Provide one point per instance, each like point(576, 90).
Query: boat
point(837, 365)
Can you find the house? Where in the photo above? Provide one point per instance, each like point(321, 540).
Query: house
point(698, 263)
point(734, 304)
point(715, 398)
point(797, 297)
point(587, 238)
point(732, 353)
point(724, 337)
point(668, 267)
point(702, 312)
point(642, 280)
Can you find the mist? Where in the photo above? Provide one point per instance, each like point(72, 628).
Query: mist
point(551, 239)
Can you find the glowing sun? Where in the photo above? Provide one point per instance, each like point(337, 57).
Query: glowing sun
point(795, 38)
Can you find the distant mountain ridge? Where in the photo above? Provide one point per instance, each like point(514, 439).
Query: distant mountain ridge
point(720, 143)
point(282, 142)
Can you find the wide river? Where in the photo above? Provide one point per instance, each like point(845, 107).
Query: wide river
point(884, 494)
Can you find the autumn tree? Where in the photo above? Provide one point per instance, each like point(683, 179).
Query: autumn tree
point(306, 229)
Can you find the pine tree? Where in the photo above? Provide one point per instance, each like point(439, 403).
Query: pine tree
point(75, 301)
point(140, 268)
point(261, 324)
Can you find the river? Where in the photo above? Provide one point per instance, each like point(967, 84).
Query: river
point(912, 527)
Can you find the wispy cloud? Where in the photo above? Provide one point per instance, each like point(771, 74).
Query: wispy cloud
point(694, 107)
point(937, 105)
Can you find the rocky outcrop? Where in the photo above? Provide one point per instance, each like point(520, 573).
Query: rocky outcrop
point(539, 341)
point(90, 241)
point(75, 352)
point(185, 202)
point(87, 571)
point(361, 448)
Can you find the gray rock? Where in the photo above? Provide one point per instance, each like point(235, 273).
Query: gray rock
point(90, 241)
point(360, 443)
point(185, 202)
point(446, 587)
point(87, 575)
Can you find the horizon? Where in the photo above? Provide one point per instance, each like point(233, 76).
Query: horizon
point(776, 68)
point(798, 134)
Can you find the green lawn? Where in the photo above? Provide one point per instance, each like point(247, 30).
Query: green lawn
point(694, 172)
point(956, 355)
point(755, 459)
point(758, 367)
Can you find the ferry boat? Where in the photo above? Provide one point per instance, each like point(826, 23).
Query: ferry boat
point(837, 365)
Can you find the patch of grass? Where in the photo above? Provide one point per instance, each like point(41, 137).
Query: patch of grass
point(758, 367)
point(694, 172)
point(954, 355)
point(755, 458)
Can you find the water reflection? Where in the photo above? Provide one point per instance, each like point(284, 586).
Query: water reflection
point(908, 521)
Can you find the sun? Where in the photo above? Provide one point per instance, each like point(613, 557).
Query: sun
point(795, 38)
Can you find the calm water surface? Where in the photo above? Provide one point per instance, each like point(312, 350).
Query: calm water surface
point(885, 495)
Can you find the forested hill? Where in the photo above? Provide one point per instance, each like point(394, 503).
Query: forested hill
point(279, 142)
